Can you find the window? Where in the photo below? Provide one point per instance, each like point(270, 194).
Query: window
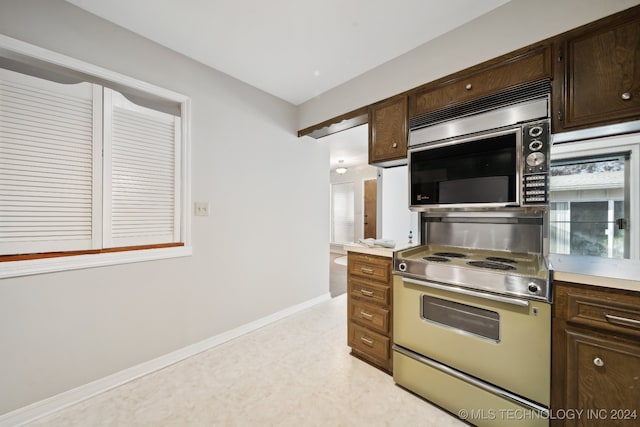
point(342, 213)
point(141, 173)
point(591, 198)
point(46, 165)
point(89, 162)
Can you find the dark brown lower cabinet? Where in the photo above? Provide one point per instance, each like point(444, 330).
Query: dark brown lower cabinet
point(369, 317)
point(595, 356)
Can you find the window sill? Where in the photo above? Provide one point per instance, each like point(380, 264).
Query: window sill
point(77, 262)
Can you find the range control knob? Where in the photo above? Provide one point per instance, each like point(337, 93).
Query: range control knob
point(535, 131)
point(535, 145)
point(533, 288)
point(402, 266)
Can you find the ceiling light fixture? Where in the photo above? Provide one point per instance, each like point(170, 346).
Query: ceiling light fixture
point(341, 170)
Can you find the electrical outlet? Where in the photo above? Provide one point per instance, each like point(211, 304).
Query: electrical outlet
point(201, 209)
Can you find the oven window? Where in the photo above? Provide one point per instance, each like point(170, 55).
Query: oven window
point(473, 320)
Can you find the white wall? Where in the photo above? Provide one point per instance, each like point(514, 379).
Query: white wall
point(62, 330)
point(507, 28)
point(397, 220)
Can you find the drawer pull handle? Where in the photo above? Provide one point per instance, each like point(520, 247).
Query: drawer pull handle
point(366, 315)
point(626, 96)
point(622, 320)
point(367, 341)
point(366, 292)
point(598, 362)
point(468, 86)
point(367, 270)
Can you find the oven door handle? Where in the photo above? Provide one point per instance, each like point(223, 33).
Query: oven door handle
point(455, 289)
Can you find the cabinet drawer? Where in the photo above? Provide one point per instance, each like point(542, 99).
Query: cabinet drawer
point(599, 311)
point(370, 267)
point(375, 318)
point(376, 293)
point(368, 342)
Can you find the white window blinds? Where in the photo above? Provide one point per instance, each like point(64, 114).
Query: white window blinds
point(82, 167)
point(47, 168)
point(142, 172)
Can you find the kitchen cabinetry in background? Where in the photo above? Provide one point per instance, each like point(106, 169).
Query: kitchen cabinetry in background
point(369, 283)
point(523, 66)
point(596, 355)
point(597, 80)
point(388, 132)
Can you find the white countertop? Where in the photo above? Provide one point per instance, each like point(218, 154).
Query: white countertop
point(606, 282)
point(609, 273)
point(625, 276)
point(377, 250)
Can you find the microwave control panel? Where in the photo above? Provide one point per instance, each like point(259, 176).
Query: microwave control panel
point(535, 163)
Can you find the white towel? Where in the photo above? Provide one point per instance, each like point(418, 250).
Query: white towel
point(385, 243)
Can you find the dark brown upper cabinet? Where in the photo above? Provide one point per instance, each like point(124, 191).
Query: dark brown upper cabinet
point(597, 80)
point(523, 66)
point(388, 132)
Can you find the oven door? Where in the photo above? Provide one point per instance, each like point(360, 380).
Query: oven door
point(502, 341)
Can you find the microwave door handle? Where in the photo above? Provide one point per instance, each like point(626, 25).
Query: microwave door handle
point(454, 289)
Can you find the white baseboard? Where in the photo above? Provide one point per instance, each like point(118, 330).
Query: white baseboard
point(59, 401)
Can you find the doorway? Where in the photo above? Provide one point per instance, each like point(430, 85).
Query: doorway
point(370, 208)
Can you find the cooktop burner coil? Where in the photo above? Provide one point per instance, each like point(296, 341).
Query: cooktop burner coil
point(450, 254)
point(491, 264)
point(500, 259)
point(436, 258)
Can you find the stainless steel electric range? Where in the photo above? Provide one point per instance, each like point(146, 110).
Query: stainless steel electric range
point(472, 304)
point(508, 273)
point(472, 315)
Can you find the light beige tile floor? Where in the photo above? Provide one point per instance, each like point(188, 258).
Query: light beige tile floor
point(295, 372)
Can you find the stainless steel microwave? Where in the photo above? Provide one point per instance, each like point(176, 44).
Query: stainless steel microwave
point(504, 166)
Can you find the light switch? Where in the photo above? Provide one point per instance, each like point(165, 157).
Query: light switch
point(201, 208)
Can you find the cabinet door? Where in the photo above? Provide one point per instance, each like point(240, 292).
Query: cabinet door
point(601, 74)
point(485, 79)
point(603, 380)
point(388, 132)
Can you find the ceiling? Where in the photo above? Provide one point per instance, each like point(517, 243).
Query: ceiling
point(293, 49)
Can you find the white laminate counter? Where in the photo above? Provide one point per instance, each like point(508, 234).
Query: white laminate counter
point(377, 250)
point(596, 272)
point(605, 282)
point(608, 273)
point(615, 274)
